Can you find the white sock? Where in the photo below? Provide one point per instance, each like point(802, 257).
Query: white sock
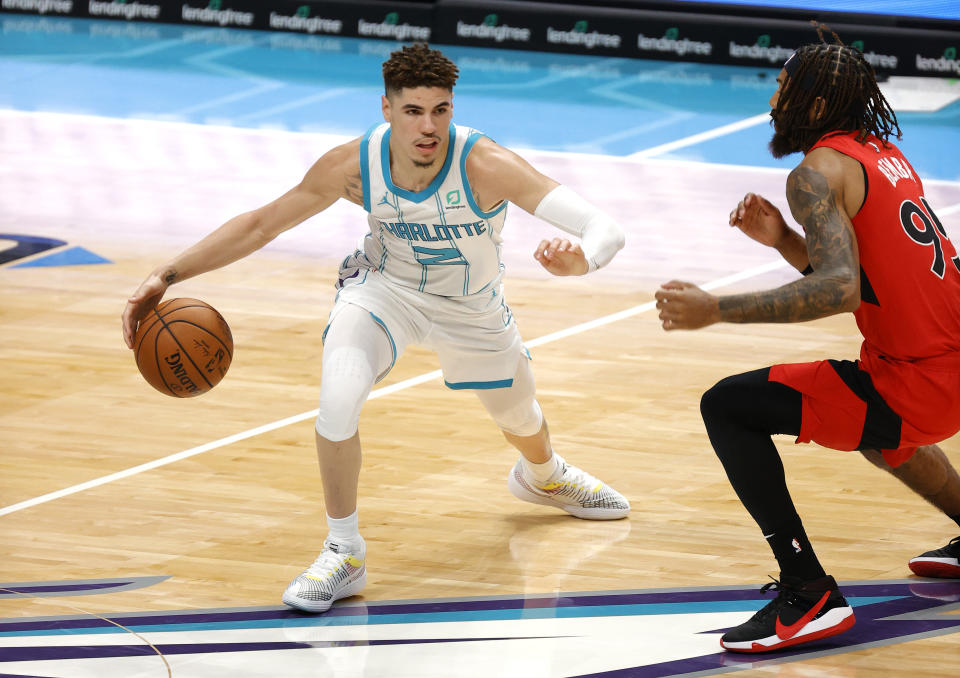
point(346, 531)
point(545, 472)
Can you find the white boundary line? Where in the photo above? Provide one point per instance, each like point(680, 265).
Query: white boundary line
point(702, 136)
point(377, 393)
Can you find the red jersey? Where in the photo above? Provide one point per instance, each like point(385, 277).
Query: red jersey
point(909, 270)
point(909, 316)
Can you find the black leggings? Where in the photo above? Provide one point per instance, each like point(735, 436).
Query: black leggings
point(741, 413)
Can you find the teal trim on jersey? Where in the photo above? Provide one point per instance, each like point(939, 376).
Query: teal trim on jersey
point(365, 167)
point(471, 140)
point(393, 346)
point(419, 196)
point(464, 385)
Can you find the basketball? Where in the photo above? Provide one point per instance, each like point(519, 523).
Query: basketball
point(183, 348)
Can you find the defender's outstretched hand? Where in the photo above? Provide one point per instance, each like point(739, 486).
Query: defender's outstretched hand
point(684, 306)
point(144, 300)
point(759, 219)
point(561, 257)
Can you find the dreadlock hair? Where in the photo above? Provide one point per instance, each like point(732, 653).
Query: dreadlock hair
point(852, 100)
point(418, 66)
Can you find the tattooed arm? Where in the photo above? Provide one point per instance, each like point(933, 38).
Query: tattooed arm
point(335, 175)
point(815, 193)
point(834, 285)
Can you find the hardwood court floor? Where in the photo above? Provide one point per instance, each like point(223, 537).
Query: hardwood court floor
point(232, 525)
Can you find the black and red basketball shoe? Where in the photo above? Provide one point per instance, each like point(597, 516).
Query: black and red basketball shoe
point(943, 562)
point(802, 612)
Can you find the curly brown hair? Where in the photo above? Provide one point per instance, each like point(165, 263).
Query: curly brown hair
point(418, 66)
point(847, 84)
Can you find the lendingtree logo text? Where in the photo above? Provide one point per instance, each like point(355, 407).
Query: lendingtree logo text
point(302, 22)
point(948, 63)
point(215, 13)
point(492, 29)
point(123, 8)
point(39, 6)
point(391, 27)
point(762, 50)
point(672, 43)
point(581, 36)
point(873, 58)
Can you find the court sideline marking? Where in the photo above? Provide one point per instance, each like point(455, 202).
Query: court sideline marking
point(694, 139)
point(376, 393)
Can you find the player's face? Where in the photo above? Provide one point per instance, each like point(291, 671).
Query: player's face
point(781, 78)
point(780, 145)
point(419, 120)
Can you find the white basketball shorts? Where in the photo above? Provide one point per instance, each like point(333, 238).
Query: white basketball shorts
point(475, 337)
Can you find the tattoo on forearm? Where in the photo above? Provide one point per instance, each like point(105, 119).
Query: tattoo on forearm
point(169, 276)
point(353, 189)
point(833, 258)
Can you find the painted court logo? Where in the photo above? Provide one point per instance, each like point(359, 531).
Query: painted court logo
point(640, 634)
point(30, 251)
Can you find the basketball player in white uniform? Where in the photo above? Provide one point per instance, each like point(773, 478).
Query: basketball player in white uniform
point(429, 273)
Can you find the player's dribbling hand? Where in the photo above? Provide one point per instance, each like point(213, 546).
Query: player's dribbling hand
point(140, 303)
point(684, 306)
point(759, 219)
point(561, 257)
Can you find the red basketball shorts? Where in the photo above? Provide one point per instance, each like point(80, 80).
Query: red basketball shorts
point(876, 403)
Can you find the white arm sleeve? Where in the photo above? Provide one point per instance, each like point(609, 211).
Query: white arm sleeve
point(600, 236)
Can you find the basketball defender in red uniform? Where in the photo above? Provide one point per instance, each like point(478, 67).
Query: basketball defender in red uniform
point(873, 246)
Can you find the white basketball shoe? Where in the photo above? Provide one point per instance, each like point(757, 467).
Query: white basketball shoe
point(573, 490)
point(338, 572)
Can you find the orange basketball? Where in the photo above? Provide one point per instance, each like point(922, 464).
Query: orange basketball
point(183, 348)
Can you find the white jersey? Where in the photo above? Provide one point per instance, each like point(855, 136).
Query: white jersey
point(437, 240)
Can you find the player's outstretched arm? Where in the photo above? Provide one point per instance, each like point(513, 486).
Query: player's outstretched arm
point(497, 174)
point(815, 194)
point(334, 175)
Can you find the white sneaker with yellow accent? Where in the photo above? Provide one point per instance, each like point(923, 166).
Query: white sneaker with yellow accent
point(338, 572)
point(573, 490)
